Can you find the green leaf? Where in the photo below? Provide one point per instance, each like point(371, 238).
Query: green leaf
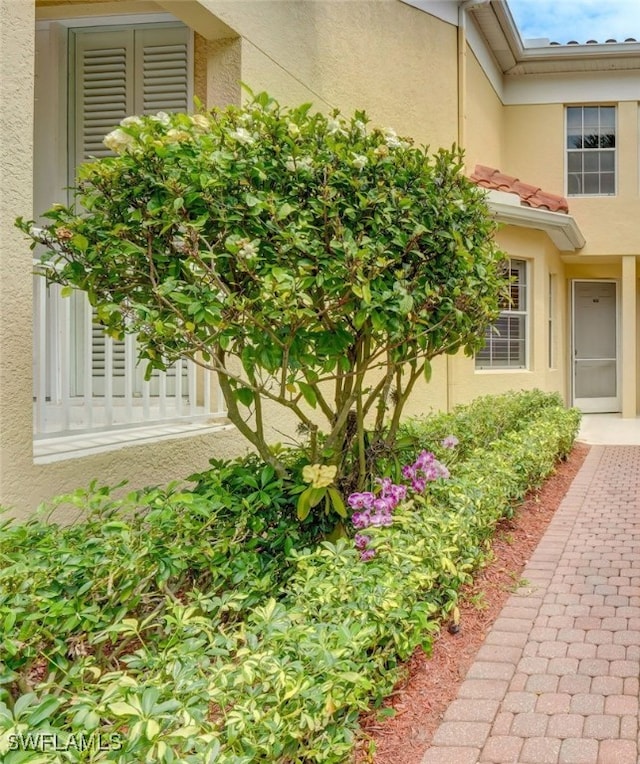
point(317, 494)
point(244, 395)
point(66, 291)
point(337, 503)
point(250, 200)
point(80, 242)
point(427, 370)
point(44, 710)
point(308, 393)
point(120, 708)
point(304, 504)
point(284, 211)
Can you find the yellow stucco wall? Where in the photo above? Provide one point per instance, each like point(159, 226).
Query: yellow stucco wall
point(484, 134)
point(382, 56)
point(534, 144)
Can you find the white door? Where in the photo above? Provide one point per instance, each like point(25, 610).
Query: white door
point(596, 387)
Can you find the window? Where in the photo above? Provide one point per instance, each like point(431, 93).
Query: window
point(591, 147)
point(117, 72)
point(506, 340)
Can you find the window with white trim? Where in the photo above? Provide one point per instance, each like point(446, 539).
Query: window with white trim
point(506, 340)
point(591, 150)
point(117, 72)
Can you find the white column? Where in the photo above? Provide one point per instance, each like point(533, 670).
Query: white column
point(628, 337)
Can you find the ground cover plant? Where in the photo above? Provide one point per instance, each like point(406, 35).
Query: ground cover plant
point(315, 262)
point(210, 625)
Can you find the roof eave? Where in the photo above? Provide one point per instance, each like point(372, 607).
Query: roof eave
point(561, 228)
point(495, 18)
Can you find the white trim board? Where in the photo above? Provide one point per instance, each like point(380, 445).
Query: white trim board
point(587, 87)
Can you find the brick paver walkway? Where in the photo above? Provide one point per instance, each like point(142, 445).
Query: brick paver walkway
point(556, 679)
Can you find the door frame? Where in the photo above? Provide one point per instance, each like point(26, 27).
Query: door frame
point(600, 405)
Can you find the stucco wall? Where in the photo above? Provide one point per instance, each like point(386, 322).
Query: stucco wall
point(387, 58)
point(535, 152)
point(484, 134)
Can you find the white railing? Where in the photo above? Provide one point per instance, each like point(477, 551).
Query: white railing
point(86, 382)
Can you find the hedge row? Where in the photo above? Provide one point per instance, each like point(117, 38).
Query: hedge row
point(164, 619)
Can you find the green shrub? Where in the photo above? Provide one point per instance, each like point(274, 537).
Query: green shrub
point(206, 626)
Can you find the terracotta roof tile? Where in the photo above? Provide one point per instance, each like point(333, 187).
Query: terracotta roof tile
point(531, 196)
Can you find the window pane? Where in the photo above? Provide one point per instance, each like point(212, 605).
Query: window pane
point(574, 161)
point(608, 118)
point(591, 117)
point(591, 183)
point(607, 141)
point(574, 117)
point(591, 141)
point(606, 161)
point(574, 184)
point(574, 140)
point(591, 163)
point(607, 183)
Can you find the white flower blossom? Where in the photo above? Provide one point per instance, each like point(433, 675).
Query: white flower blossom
point(177, 135)
point(200, 121)
point(162, 117)
point(360, 126)
point(128, 121)
point(391, 138)
point(335, 127)
point(242, 135)
point(293, 130)
point(117, 140)
point(249, 249)
point(301, 164)
point(359, 161)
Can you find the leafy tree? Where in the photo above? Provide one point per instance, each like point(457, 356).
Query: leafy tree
point(311, 261)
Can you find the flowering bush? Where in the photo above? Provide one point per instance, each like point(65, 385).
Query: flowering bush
point(313, 261)
point(376, 509)
point(206, 626)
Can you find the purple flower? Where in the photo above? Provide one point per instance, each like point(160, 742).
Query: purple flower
point(398, 492)
point(418, 484)
point(450, 441)
point(361, 541)
point(361, 519)
point(383, 505)
point(385, 485)
point(443, 471)
point(367, 554)
point(408, 472)
point(382, 517)
point(361, 500)
point(425, 458)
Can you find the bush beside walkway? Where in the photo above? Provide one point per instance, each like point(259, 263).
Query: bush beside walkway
point(203, 625)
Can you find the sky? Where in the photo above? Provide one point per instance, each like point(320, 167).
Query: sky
point(580, 20)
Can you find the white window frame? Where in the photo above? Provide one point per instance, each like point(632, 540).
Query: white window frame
point(491, 336)
point(568, 151)
point(63, 430)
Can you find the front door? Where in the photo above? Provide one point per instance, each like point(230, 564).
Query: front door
point(595, 346)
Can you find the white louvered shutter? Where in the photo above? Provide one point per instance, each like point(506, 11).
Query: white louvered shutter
point(118, 73)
